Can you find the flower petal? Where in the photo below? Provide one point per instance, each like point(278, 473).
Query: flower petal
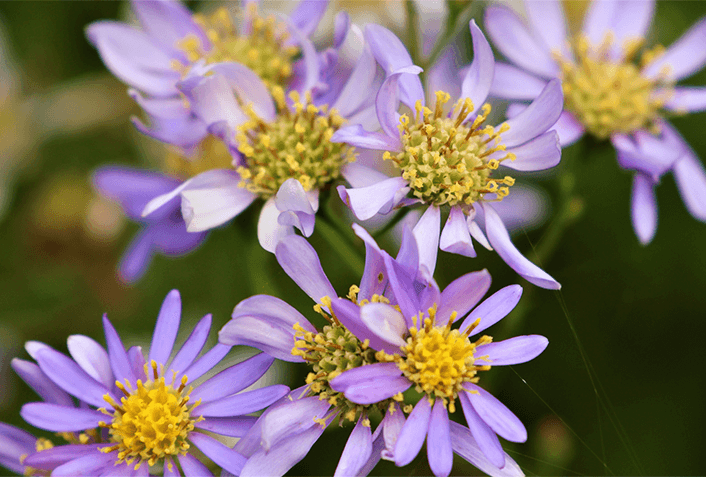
point(357, 136)
point(294, 206)
point(511, 82)
point(598, 20)
point(92, 358)
point(537, 118)
point(49, 459)
point(482, 433)
point(500, 240)
point(14, 442)
point(135, 57)
point(70, 377)
point(519, 349)
point(191, 466)
point(392, 423)
point(269, 230)
point(542, 152)
point(357, 451)
point(684, 58)
point(546, 19)
point(168, 22)
point(392, 56)
point(243, 403)
point(690, 176)
point(411, 437)
point(119, 362)
point(272, 308)
point(234, 379)
point(274, 338)
point(40, 383)
point(371, 384)
point(387, 102)
point(631, 20)
point(366, 202)
point(290, 419)
point(463, 294)
point(192, 346)
point(206, 362)
point(439, 451)
point(307, 15)
point(512, 37)
point(403, 290)
point(495, 414)
point(494, 308)
point(215, 202)
point(687, 99)
point(92, 464)
point(300, 261)
point(223, 456)
point(348, 313)
point(228, 426)
point(166, 329)
point(427, 234)
point(455, 237)
point(466, 446)
point(57, 418)
point(386, 322)
point(479, 77)
point(643, 208)
point(283, 455)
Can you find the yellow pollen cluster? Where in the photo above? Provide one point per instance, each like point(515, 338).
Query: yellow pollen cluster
point(448, 161)
point(151, 422)
point(438, 359)
point(610, 97)
point(211, 153)
point(264, 50)
point(295, 145)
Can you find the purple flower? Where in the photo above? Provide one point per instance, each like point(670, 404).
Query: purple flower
point(447, 159)
point(607, 93)
point(163, 232)
point(133, 413)
point(280, 142)
point(286, 431)
point(420, 349)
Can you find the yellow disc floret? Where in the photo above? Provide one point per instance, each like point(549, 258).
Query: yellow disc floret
point(295, 145)
point(448, 161)
point(438, 360)
point(264, 49)
point(151, 422)
point(611, 96)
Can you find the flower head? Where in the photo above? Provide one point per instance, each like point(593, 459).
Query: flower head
point(287, 430)
point(614, 88)
point(448, 156)
point(138, 414)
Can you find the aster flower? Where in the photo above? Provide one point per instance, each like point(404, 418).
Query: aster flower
point(15, 446)
point(421, 350)
point(446, 159)
point(280, 142)
point(134, 414)
point(608, 93)
point(286, 431)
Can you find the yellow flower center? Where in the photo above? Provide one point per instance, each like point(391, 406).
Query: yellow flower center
point(263, 50)
point(151, 422)
point(295, 145)
point(211, 153)
point(447, 161)
point(438, 360)
point(610, 97)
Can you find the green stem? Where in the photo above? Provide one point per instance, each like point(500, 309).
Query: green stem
point(412, 29)
point(459, 15)
point(350, 255)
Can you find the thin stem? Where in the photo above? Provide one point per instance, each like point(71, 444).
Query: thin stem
point(350, 255)
point(412, 30)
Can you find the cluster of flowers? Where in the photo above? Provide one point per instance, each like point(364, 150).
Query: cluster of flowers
point(258, 114)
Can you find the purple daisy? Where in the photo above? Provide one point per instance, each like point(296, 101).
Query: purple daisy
point(608, 94)
point(280, 142)
point(286, 431)
point(420, 349)
point(163, 232)
point(134, 414)
point(446, 159)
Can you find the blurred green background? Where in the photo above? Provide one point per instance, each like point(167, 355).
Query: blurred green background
point(640, 412)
